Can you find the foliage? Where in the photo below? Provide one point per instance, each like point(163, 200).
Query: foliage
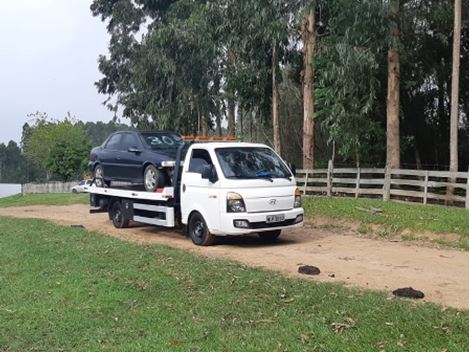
point(181, 65)
point(71, 289)
point(60, 147)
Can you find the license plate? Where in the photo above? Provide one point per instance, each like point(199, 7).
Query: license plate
point(274, 218)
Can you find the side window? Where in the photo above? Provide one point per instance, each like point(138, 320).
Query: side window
point(113, 142)
point(129, 140)
point(199, 159)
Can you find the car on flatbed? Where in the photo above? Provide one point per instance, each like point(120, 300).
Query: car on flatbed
point(135, 157)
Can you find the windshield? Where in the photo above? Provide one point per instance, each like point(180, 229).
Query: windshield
point(251, 162)
point(161, 140)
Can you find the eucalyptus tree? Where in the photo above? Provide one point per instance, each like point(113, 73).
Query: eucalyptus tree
point(348, 71)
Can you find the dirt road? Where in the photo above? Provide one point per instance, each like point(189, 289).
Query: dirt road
point(441, 274)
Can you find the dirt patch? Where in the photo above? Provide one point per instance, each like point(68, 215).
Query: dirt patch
point(342, 255)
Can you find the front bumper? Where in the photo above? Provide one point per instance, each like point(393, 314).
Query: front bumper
point(257, 222)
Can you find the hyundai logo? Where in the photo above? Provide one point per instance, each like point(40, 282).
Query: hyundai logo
point(272, 202)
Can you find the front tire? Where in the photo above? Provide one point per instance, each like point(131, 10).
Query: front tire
point(117, 216)
point(269, 236)
point(199, 232)
point(153, 178)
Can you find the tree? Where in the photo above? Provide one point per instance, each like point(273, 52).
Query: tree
point(393, 95)
point(308, 38)
point(454, 104)
point(55, 144)
point(68, 160)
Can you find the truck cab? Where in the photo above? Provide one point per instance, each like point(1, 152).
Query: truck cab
point(235, 189)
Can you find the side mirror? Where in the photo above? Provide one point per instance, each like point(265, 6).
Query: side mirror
point(209, 173)
point(134, 150)
point(292, 167)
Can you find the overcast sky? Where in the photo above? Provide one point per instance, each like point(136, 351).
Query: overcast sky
point(48, 62)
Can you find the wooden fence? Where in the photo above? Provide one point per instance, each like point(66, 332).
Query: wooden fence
point(424, 186)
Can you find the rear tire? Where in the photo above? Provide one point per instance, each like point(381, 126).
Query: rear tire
point(199, 232)
point(153, 178)
point(74, 191)
point(98, 174)
point(269, 236)
point(117, 217)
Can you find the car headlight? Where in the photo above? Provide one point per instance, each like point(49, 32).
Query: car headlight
point(297, 198)
point(235, 203)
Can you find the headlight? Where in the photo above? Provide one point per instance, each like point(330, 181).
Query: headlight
point(235, 203)
point(297, 198)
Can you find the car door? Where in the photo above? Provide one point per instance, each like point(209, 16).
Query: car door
point(130, 163)
point(110, 156)
point(197, 193)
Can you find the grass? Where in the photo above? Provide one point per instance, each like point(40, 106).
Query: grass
point(44, 199)
point(395, 217)
point(67, 288)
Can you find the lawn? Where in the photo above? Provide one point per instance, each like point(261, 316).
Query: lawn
point(65, 288)
point(394, 216)
point(44, 199)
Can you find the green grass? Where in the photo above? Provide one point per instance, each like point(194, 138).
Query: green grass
point(68, 289)
point(438, 219)
point(44, 199)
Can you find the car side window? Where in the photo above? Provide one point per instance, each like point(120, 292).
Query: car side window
point(129, 140)
point(199, 159)
point(113, 142)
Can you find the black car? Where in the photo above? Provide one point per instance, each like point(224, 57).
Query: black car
point(134, 157)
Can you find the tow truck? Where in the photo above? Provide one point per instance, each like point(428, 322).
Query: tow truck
point(218, 188)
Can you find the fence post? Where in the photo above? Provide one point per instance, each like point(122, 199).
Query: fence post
point(426, 179)
point(306, 180)
point(329, 175)
point(358, 182)
point(466, 195)
point(387, 177)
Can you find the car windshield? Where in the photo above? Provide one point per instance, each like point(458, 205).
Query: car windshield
point(251, 162)
point(162, 140)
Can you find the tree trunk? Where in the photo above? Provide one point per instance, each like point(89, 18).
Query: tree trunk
point(204, 125)
point(275, 102)
point(308, 38)
point(393, 95)
point(230, 116)
point(219, 125)
point(454, 104)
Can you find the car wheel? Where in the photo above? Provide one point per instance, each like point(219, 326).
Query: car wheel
point(153, 178)
point(269, 236)
point(98, 174)
point(117, 217)
point(199, 232)
point(74, 191)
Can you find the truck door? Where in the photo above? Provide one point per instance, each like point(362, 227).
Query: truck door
point(197, 193)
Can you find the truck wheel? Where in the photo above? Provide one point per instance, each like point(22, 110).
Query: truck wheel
point(153, 178)
point(269, 236)
point(119, 221)
point(98, 174)
point(199, 232)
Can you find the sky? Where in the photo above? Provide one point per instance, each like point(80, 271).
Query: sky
point(48, 62)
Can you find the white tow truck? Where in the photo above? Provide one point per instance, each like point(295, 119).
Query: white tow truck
point(217, 189)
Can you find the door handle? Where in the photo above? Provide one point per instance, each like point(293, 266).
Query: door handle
point(184, 187)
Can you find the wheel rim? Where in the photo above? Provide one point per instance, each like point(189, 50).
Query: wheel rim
point(198, 229)
point(117, 218)
point(150, 179)
point(99, 176)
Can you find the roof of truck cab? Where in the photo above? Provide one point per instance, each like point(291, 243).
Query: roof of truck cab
point(215, 145)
